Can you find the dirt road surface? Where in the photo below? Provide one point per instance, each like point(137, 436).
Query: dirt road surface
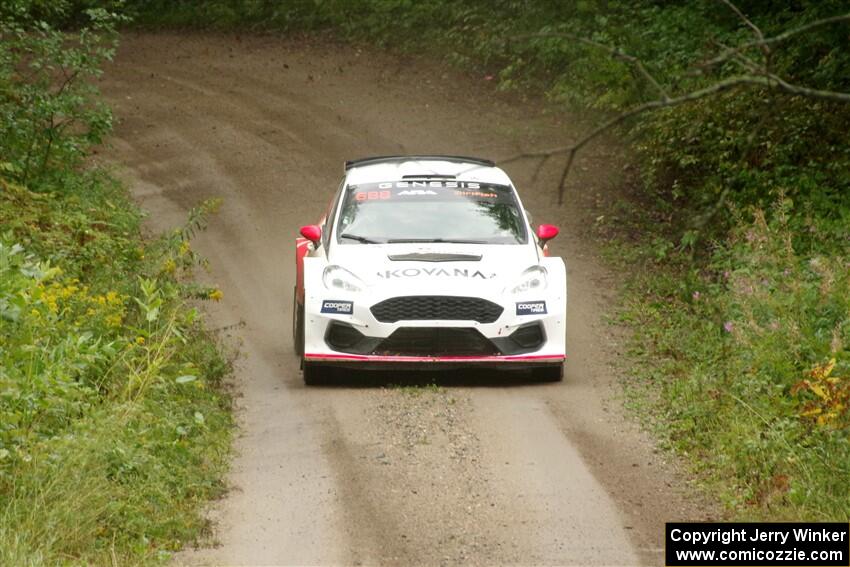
point(477, 470)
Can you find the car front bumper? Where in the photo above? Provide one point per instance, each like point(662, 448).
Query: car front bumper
point(359, 339)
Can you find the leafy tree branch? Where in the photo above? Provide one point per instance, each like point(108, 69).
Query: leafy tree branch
point(753, 74)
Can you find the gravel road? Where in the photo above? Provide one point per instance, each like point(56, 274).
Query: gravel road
point(479, 469)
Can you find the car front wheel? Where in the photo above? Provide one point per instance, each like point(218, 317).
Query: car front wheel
point(316, 374)
point(548, 373)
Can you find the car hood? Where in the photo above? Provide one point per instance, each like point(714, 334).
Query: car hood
point(443, 268)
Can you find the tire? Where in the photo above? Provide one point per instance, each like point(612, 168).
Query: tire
point(297, 326)
point(548, 373)
point(316, 374)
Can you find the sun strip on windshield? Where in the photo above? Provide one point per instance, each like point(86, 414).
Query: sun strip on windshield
point(431, 190)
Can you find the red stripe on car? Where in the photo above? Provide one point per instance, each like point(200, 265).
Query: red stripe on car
point(377, 358)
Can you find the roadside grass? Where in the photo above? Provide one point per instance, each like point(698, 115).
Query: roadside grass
point(738, 364)
point(115, 424)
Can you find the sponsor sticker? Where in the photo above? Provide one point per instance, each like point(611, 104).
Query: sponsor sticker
point(531, 308)
point(337, 307)
point(435, 272)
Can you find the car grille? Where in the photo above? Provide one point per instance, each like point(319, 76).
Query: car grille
point(436, 341)
point(436, 307)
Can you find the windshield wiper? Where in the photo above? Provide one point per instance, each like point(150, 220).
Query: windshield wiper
point(361, 239)
point(435, 240)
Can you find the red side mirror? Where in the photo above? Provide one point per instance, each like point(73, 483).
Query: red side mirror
point(313, 233)
point(546, 232)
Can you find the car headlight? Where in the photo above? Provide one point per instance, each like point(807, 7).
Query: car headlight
point(533, 279)
point(337, 277)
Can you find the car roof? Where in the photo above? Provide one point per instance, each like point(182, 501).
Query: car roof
point(395, 168)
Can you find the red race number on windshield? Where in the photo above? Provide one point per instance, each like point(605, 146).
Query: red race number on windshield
point(371, 195)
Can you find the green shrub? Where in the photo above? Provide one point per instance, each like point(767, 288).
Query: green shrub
point(50, 116)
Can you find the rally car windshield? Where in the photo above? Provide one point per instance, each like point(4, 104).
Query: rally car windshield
point(430, 211)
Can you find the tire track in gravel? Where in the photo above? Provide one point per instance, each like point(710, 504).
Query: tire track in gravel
point(482, 470)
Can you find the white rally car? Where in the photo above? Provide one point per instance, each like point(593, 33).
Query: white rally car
point(428, 261)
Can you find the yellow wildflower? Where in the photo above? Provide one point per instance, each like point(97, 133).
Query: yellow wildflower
point(216, 295)
point(68, 291)
point(140, 340)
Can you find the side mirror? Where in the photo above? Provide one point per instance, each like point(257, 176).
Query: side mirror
point(313, 233)
point(546, 232)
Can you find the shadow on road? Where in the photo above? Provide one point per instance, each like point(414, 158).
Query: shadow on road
point(478, 378)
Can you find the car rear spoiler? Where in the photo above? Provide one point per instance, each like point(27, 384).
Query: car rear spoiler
point(389, 159)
